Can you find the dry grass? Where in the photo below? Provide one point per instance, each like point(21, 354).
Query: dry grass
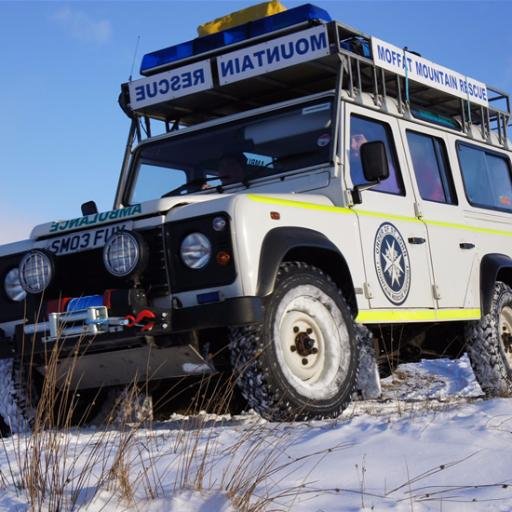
point(61, 467)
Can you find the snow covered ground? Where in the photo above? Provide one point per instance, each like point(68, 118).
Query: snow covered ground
point(432, 443)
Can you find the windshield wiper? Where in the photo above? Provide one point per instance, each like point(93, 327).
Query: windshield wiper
point(245, 181)
point(194, 183)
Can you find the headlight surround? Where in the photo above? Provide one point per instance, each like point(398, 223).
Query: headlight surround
point(196, 251)
point(36, 271)
point(124, 253)
point(12, 285)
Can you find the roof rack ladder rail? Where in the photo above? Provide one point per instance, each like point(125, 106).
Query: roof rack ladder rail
point(488, 123)
point(470, 118)
point(350, 77)
point(505, 132)
point(463, 116)
point(498, 125)
point(359, 81)
point(483, 128)
point(399, 93)
point(375, 85)
point(506, 119)
point(384, 91)
point(502, 123)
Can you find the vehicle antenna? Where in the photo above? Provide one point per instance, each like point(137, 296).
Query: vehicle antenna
point(134, 55)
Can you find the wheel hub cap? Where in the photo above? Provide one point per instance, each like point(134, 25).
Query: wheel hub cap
point(304, 345)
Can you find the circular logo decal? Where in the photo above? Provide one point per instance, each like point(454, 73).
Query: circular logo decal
point(392, 263)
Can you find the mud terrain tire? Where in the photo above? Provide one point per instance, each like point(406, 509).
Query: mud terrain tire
point(489, 344)
point(301, 362)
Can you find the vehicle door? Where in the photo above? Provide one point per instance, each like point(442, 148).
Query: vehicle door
point(394, 240)
point(453, 248)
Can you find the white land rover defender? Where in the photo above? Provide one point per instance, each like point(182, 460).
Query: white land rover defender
point(294, 195)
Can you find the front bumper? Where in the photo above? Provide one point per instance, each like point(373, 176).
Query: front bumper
point(94, 330)
point(229, 313)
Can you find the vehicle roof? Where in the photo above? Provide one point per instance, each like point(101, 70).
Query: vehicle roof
point(344, 64)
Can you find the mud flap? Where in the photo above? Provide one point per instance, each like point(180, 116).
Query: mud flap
point(368, 380)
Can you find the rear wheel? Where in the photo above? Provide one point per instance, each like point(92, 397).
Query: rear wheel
point(489, 344)
point(301, 362)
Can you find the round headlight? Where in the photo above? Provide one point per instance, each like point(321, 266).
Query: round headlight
point(196, 250)
point(36, 271)
point(12, 286)
point(122, 253)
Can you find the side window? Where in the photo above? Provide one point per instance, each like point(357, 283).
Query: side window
point(486, 178)
point(431, 168)
point(367, 130)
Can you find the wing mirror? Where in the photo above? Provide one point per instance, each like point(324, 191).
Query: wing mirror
point(374, 161)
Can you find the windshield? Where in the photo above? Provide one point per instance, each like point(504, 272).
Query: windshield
point(234, 153)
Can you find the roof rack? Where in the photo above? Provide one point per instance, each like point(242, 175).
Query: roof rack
point(365, 75)
point(360, 63)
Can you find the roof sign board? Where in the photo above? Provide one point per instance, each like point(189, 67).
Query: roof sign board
point(272, 55)
point(302, 14)
point(426, 72)
point(170, 84)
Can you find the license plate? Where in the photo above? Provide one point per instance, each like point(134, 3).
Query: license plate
point(85, 240)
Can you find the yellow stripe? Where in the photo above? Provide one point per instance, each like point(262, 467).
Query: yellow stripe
point(379, 215)
point(327, 208)
point(475, 229)
point(378, 316)
point(299, 204)
point(386, 216)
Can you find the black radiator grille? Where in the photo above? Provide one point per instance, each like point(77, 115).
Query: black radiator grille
point(155, 278)
point(83, 273)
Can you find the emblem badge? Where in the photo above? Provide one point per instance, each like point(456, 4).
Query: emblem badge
point(392, 263)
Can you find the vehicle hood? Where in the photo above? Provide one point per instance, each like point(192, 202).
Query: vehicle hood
point(136, 211)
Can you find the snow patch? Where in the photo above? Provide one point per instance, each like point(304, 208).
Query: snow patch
point(195, 368)
point(443, 448)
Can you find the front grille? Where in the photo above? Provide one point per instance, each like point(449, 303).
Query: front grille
point(155, 277)
point(83, 273)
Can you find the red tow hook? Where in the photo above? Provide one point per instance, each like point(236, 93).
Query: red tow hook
point(143, 319)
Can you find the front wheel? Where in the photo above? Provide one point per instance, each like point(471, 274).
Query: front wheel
point(301, 362)
point(489, 344)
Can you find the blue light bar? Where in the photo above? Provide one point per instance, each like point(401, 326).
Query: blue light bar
point(153, 62)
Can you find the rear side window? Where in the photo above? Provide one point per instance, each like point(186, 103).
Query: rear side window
point(367, 130)
point(431, 168)
point(486, 178)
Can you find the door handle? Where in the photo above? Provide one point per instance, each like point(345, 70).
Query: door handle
point(465, 245)
point(416, 240)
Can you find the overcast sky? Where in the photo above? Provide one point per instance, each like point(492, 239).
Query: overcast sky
point(62, 134)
